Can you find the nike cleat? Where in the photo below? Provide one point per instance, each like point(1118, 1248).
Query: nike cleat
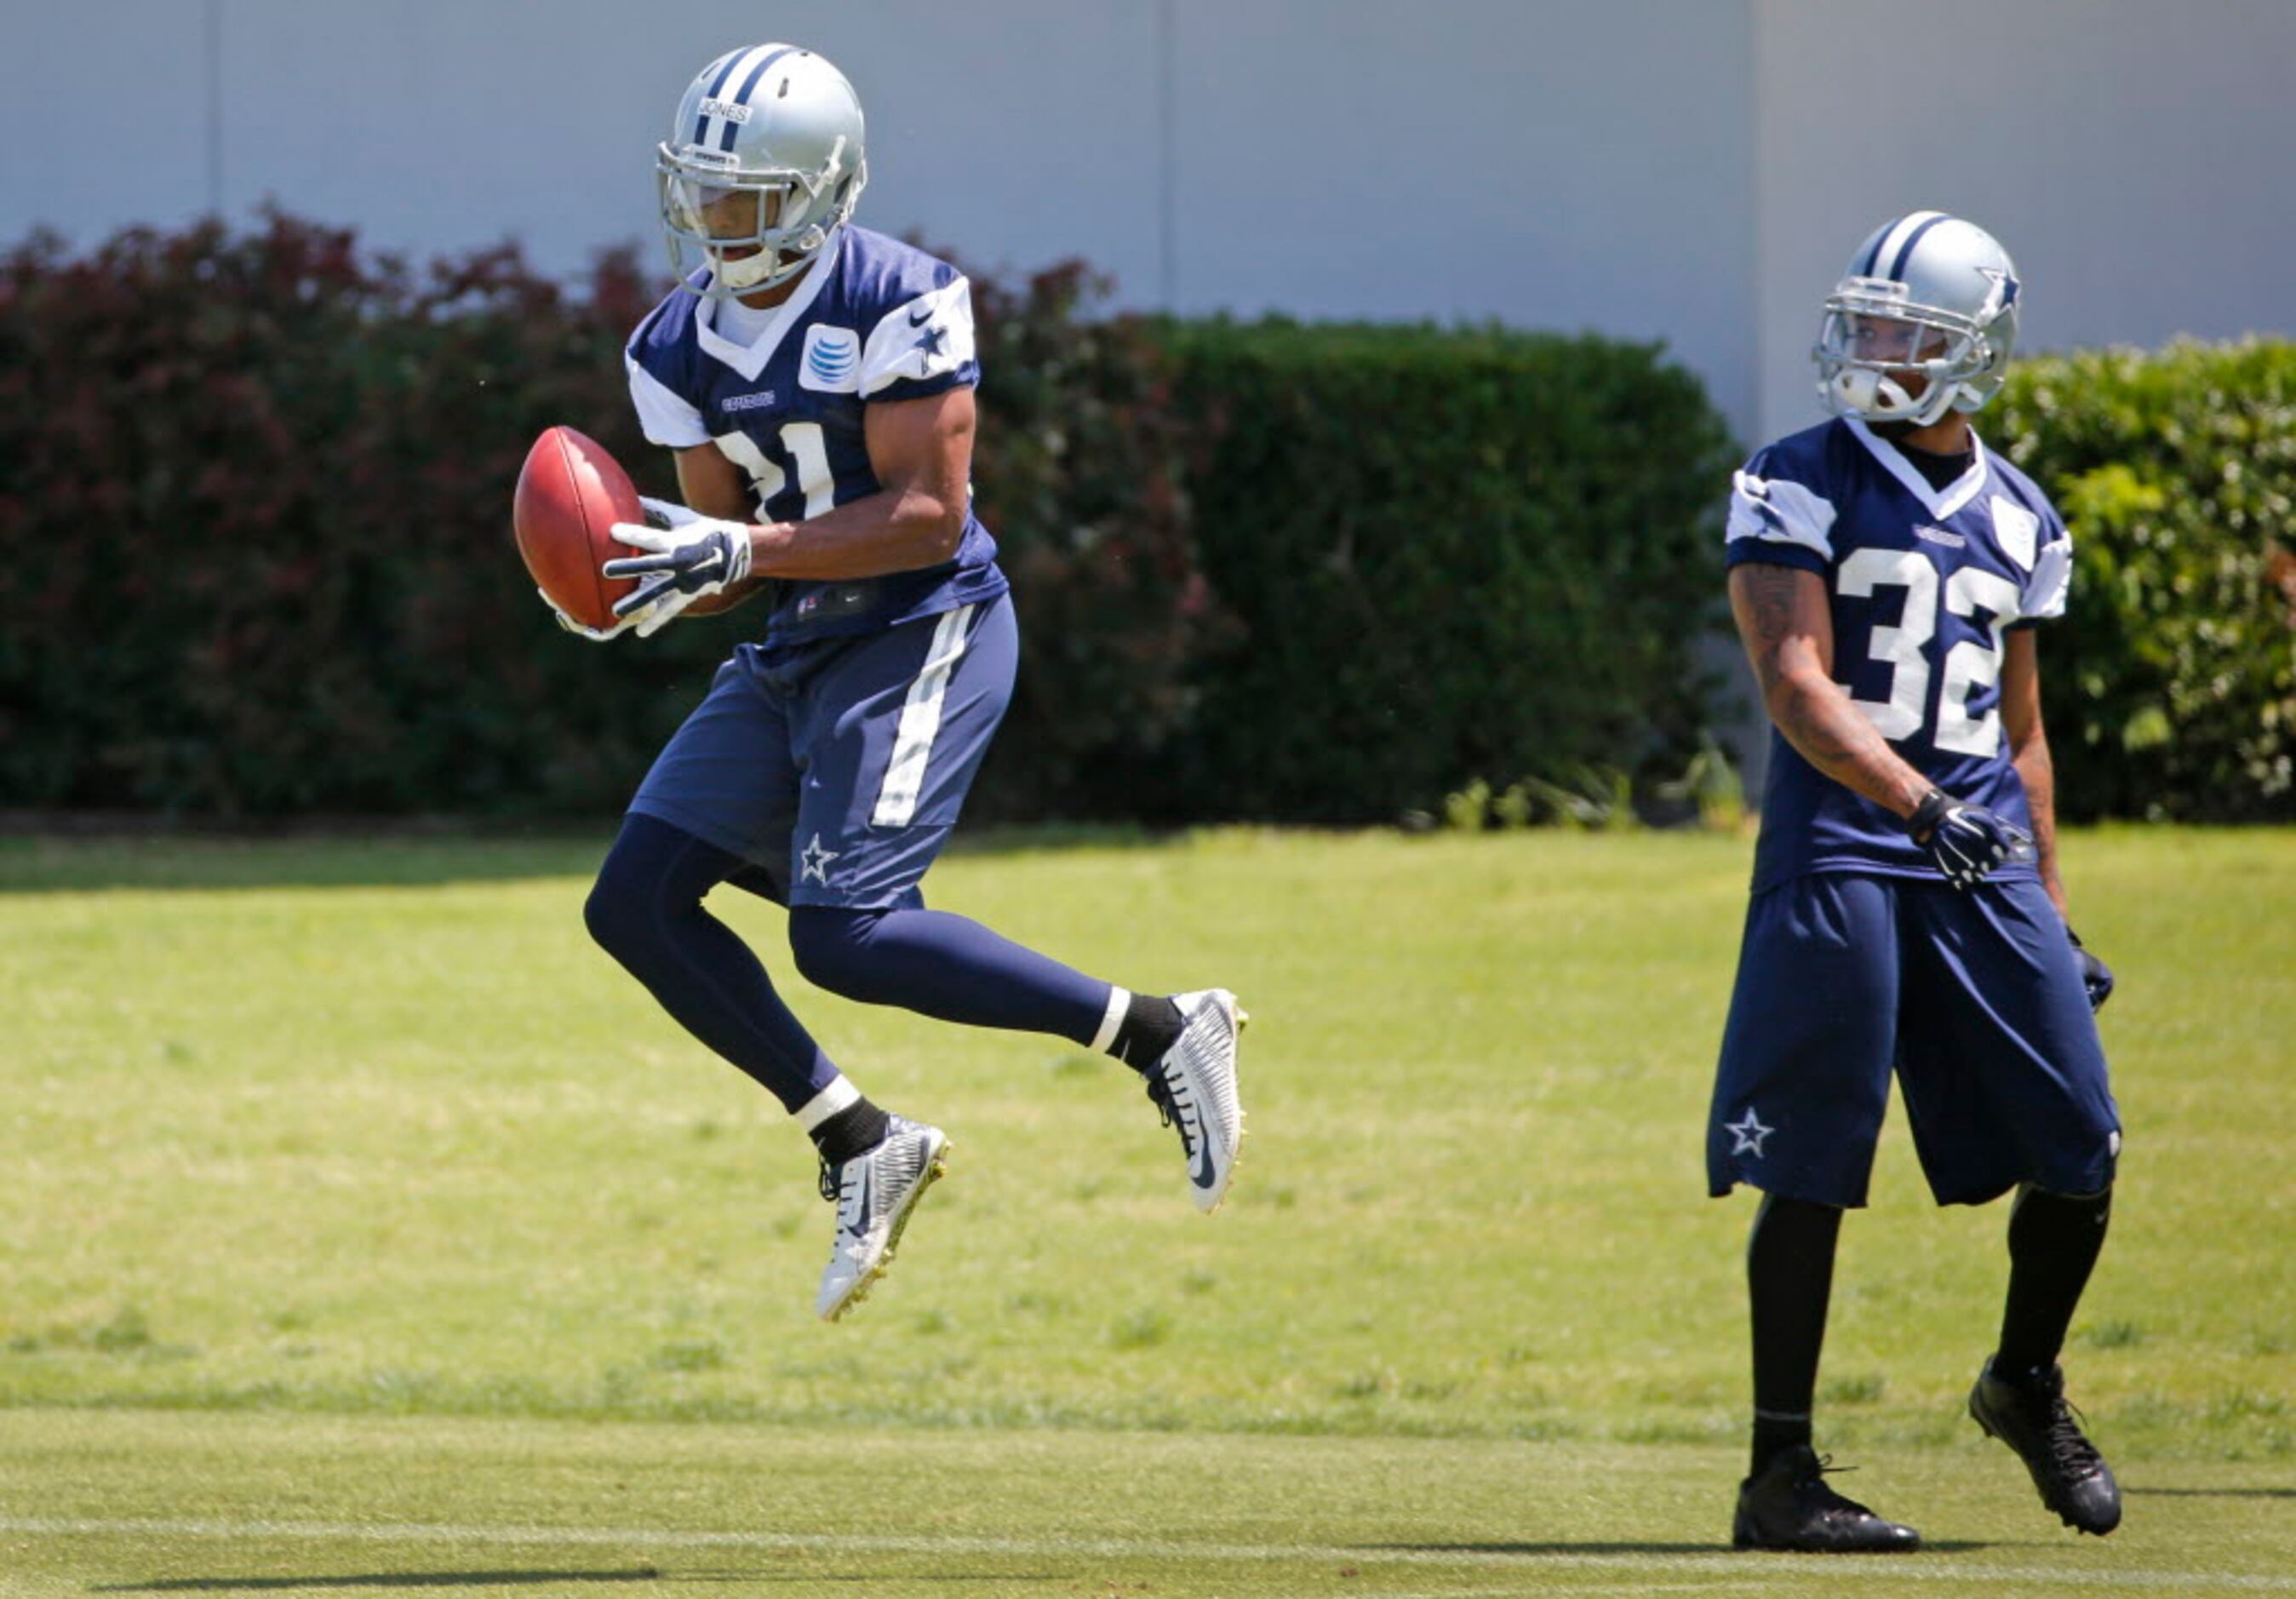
point(2031, 1414)
point(1787, 1506)
point(1193, 1086)
point(875, 1192)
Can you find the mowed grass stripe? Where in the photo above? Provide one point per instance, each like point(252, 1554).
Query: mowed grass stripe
point(166, 1501)
point(637, 1539)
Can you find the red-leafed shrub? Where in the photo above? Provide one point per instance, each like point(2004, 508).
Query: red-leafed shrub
point(254, 534)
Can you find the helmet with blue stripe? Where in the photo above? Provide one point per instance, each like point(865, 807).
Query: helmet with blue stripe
point(762, 164)
point(1923, 322)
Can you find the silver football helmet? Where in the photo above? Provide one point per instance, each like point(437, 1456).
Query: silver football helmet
point(762, 166)
point(1927, 295)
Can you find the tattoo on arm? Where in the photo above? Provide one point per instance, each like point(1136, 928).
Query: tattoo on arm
point(2029, 752)
point(1767, 616)
point(1837, 740)
point(1817, 719)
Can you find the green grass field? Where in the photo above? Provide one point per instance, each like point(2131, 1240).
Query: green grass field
point(365, 1227)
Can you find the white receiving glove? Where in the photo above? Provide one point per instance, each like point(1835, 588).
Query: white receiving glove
point(688, 555)
point(660, 514)
point(583, 629)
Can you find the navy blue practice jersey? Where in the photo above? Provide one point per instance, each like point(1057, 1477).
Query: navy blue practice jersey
point(1924, 583)
point(874, 320)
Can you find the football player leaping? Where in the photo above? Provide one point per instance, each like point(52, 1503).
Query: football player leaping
point(1886, 572)
point(816, 380)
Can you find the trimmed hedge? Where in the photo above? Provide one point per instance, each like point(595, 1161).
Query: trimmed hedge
point(254, 509)
point(253, 498)
point(255, 513)
point(2170, 689)
point(253, 552)
point(1458, 556)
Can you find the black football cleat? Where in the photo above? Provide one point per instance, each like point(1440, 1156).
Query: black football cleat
point(2029, 1413)
point(1787, 1506)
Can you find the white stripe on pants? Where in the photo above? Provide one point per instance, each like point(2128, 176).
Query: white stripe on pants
point(905, 774)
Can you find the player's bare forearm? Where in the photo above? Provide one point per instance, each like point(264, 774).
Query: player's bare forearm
point(2029, 751)
point(1787, 629)
point(894, 530)
point(1818, 720)
point(921, 450)
point(2038, 774)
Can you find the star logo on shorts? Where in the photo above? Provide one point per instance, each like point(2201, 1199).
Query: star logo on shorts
point(814, 862)
point(1746, 1136)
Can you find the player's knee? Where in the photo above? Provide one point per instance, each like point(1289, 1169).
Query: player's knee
point(830, 947)
point(616, 915)
point(640, 888)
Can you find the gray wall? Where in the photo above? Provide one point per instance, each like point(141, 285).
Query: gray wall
point(1546, 163)
point(1694, 170)
point(2134, 155)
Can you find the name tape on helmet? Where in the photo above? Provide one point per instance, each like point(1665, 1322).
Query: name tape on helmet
point(731, 111)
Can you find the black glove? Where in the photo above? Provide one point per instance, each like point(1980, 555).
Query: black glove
point(2096, 977)
point(1966, 842)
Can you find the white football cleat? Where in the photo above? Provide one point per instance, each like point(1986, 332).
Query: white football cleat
point(875, 1191)
point(1193, 1086)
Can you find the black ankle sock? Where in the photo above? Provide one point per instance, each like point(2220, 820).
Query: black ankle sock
point(2054, 1239)
point(856, 1129)
point(1789, 1279)
point(1774, 1435)
point(1151, 1026)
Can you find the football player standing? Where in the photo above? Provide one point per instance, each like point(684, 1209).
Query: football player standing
point(1886, 572)
point(816, 381)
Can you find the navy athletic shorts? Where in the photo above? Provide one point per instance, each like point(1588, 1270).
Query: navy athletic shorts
point(838, 770)
point(1975, 998)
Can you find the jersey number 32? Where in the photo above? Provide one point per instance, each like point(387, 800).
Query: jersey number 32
point(1970, 666)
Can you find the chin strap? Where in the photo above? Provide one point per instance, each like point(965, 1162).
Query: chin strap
point(1858, 390)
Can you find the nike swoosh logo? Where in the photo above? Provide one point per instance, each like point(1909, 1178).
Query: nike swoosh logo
point(917, 319)
point(1204, 1173)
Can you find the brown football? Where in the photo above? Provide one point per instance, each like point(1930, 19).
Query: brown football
point(570, 493)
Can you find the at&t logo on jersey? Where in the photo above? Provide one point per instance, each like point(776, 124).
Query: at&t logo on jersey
point(833, 360)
